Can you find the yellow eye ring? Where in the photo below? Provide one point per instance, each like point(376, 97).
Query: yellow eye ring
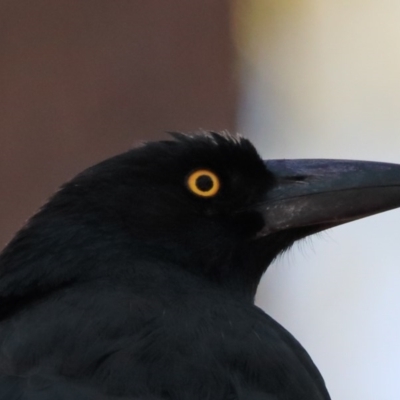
point(203, 183)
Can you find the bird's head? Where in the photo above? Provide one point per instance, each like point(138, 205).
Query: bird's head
point(206, 203)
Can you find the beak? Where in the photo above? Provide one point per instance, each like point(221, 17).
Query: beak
point(321, 194)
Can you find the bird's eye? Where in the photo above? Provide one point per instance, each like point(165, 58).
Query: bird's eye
point(203, 183)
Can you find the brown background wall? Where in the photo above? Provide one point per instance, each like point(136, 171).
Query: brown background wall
point(82, 80)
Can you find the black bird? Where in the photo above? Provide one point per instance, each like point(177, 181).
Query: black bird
point(137, 279)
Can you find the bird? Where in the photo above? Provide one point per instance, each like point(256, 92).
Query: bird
point(137, 279)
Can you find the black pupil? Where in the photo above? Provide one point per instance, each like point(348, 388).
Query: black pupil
point(204, 183)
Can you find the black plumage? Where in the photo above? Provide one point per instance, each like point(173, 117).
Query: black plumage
point(128, 284)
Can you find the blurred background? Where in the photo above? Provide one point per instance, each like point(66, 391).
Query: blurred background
point(81, 81)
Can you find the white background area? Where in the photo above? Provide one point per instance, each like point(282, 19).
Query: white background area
point(321, 79)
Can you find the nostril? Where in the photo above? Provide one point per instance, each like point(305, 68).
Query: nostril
point(296, 178)
point(300, 178)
